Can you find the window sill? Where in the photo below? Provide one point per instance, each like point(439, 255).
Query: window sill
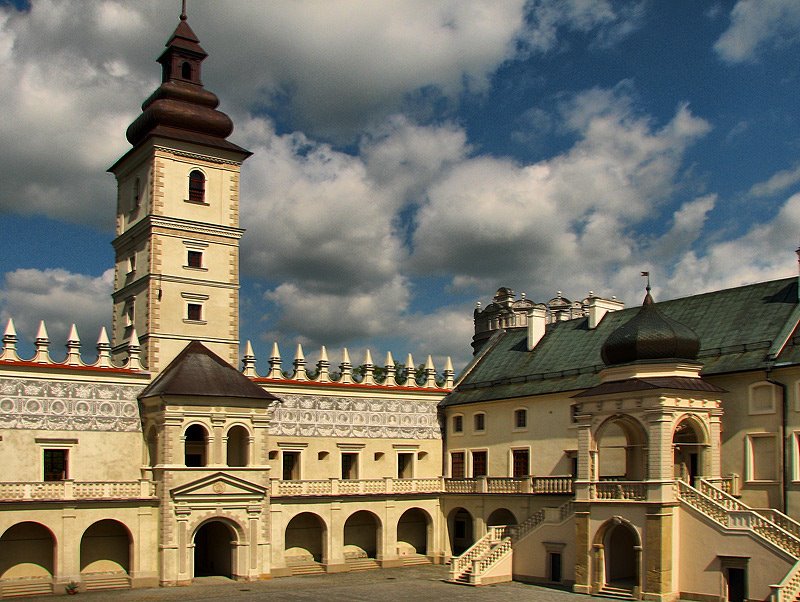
point(189, 267)
point(197, 202)
point(520, 429)
point(188, 321)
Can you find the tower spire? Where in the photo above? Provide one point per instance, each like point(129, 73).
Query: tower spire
point(183, 10)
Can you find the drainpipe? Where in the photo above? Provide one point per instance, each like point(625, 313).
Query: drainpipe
point(784, 420)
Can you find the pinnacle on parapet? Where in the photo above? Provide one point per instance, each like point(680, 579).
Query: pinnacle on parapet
point(346, 368)
point(390, 380)
point(448, 373)
point(430, 373)
point(73, 348)
point(134, 351)
point(323, 367)
point(10, 343)
point(369, 370)
point(103, 350)
point(249, 361)
point(411, 372)
point(299, 364)
point(275, 363)
point(42, 344)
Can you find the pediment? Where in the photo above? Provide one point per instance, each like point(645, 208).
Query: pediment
point(219, 486)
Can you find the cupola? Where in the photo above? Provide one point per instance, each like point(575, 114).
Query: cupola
point(650, 336)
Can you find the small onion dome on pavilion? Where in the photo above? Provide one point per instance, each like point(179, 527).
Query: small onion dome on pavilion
point(650, 336)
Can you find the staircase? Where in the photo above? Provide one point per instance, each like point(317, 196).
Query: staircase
point(97, 581)
point(25, 587)
point(415, 559)
point(361, 564)
point(305, 567)
point(498, 544)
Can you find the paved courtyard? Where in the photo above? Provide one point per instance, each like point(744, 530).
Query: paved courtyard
point(418, 583)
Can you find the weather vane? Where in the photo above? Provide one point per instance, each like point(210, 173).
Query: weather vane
point(644, 274)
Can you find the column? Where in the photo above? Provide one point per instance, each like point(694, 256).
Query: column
point(583, 550)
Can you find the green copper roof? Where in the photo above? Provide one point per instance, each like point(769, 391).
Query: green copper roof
point(737, 328)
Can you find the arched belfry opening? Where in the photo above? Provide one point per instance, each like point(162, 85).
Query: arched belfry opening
point(689, 443)
point(621, 450)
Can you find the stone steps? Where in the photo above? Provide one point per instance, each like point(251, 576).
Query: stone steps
point(106, 581)
point(415, 559)
point(362, 564)
point(25, 587)
point(306, 568)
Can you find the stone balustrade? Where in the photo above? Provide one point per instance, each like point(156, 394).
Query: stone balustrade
point(545, 485)
point(619, 490)
point(76, 490)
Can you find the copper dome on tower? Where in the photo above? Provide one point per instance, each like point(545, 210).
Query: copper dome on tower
point(648, 336)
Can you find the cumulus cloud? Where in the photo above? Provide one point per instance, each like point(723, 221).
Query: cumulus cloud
point(60, 298)
point(756, 26)
point(777, 183)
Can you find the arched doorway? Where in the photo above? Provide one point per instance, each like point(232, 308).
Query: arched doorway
point(621, 450)
point(106, 549)
point(27, 551)
point(238, 446)
point(501, 516)
point(413, 532)
point(459, 525)
point(621, 549)
point(688, 444)
point(361, 535)
point(304, 540)
point(213, 550)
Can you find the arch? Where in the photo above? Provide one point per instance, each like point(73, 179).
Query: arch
point(362, 535)
point(195, 439)
point(214, 545)
point(304, 539)
point(501, 516)
point(621, 445)
point(106, 548)
point(459, 527)
point(197, 186)
point(237, 446)
point(27, 551)
point(186, 70)
point(689, 441)
point(619, 555)
point(414, 532)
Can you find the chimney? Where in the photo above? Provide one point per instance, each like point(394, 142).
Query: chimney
point(537, 320)
point(599, 307)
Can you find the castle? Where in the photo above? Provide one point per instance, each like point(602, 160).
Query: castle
point(646, 453)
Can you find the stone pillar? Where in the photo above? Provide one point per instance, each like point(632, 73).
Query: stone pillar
point(387, 550)
point(659, 578)
point(216, 443)
point(585, 461)
point(713, 453)
point(185, 548)
point(583, 550)
point(333, 554)
point(68, 557)
point(661, 457)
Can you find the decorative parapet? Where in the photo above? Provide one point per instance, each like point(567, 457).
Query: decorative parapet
point(76, 490)
point(391, 374)
point(73, 358)
point(543, 485)
point(338, 487)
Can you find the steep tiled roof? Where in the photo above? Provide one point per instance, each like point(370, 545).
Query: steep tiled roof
point(197, 371)
point(737, 328)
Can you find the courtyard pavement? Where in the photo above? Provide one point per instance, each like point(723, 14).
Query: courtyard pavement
point(417, 583)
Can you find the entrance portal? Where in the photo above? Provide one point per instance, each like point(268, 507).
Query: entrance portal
point(213, 550)
point(620, 556)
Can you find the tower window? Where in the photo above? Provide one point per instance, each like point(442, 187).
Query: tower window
point(197, 187)
point(137, 194)
point(194, 312)
point(194, 259)
point(186, 71)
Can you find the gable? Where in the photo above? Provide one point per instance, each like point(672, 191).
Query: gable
point(218, 486)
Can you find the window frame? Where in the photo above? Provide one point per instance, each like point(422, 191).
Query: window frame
point(458, 421)
point(472, 454)
point(751, 410)
point(512, 465)
point(516, 425)
point(750, 464)
point(463, 454)
point(479, 417)
point(197, 193)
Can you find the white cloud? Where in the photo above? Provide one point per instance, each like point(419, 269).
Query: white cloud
point(60, 298)
point(779, 182)
point(756, 26)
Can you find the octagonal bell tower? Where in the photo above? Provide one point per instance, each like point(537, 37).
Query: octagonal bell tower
point(176, 274)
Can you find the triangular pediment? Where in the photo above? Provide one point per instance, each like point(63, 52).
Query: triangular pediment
point(219, 485)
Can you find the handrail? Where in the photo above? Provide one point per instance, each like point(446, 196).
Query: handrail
point(789, 588)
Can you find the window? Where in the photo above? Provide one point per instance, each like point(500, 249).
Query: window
point(55, 464)
point(197, 187)
point(195, 442)
point(761, 458)
point(762, 398)
point(291, 465)
point(136, 193)
point(479, 464)
point(480, 422)
point(457, 465)
point(128, 312)
point(349, 466)
point(521, 418)
point(131, 264)
point(238, 446)
point(405, 465)
point(186, 70)
point(194, 259)
point(194, 312)
point(520, 463)
point(458, 424)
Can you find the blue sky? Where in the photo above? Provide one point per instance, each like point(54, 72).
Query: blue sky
point(413, 156)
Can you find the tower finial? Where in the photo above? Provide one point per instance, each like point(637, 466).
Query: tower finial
point(648, 298)
point(183, 10)
point(647, 275)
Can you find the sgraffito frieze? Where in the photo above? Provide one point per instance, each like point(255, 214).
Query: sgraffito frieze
point(68, 406)
point(330, 416)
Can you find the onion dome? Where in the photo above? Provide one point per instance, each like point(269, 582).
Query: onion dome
point(181, 109)
point(650, 335)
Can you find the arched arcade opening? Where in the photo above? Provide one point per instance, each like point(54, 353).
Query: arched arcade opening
point(214, 545)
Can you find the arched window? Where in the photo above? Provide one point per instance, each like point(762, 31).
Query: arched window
point(197, 186)
point(195, 442)
point(238, 446)
point(186, 71)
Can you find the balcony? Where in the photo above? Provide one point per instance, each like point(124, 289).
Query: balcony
point(76, 490)
point(549, 485)
point(328, 487)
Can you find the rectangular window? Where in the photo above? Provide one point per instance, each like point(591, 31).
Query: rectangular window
point(194, 259)
point(349, 466)
point(479, 464)
point(55, 464)
point(480, 422)
point(291, 465)
point(194, 312)
point(520, 463)
point(520, 419)
point(458, 424)
point(762, 458)
point(405, 466)
point(457, 465)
